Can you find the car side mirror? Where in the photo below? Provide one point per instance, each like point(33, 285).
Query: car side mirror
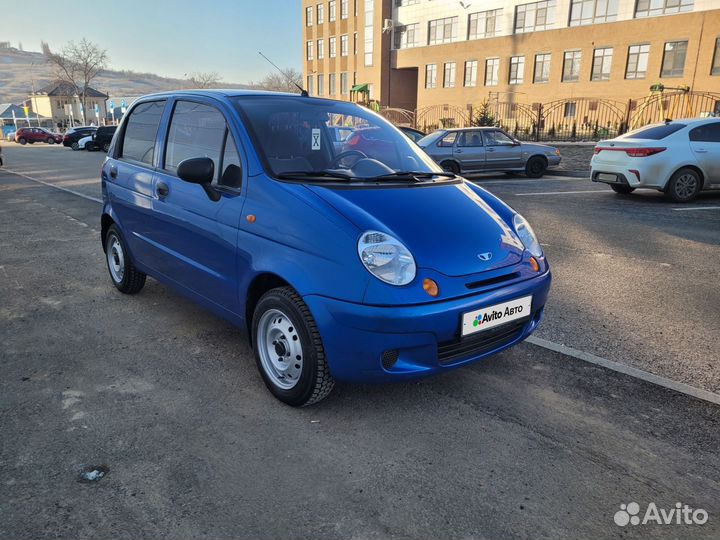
point(201, 171)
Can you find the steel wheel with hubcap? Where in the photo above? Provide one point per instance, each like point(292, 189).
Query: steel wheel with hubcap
point(123, 273)
point(684, 186)
point(288, 349)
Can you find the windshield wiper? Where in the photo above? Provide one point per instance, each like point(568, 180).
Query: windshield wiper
point(414, 175)
point(294, 175)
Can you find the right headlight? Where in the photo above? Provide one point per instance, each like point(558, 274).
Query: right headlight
point(386, 258)
point(527, 235)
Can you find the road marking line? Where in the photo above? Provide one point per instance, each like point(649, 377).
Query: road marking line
point(562, 192)
point(646, 376)
point(49, 184)
point(692, 208)
point(540, 342)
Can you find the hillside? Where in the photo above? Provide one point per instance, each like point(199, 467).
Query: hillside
point(18, 69)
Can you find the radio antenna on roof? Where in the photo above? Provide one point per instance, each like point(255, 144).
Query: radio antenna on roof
point(303, 92)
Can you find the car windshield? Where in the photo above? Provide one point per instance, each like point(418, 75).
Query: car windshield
point(297, 137)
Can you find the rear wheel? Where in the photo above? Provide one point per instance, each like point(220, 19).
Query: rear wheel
point(106, 147)
point(535, 167)
point(22, 140)
point(75, 146)
point(450, 166)
point(50, 140)
point(622, 189)
point(288, 349)
point(684, 186)
point(124, 275)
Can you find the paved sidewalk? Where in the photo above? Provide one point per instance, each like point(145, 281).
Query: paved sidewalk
point(575, 159)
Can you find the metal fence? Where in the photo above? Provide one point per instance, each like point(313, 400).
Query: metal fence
point(570, 119)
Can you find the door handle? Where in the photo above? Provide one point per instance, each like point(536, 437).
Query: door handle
point(490, 149)
point(162, 190)
point(458, 151)
point(701, 151)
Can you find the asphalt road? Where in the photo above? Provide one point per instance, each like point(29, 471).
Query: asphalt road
point(530, 444)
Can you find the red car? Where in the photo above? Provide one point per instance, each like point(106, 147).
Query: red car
point(34, 134)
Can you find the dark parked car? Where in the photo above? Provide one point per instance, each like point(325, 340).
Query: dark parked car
point(73, 135)
point(102, 138)
point(33, 135)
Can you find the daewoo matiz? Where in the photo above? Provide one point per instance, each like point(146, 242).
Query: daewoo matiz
point(341, 264)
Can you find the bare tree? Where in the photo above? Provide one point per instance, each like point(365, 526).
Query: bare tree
point(210, 79)
point(78, 64)
point(284, 81)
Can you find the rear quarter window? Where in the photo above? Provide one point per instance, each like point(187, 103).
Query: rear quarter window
point(654, 133)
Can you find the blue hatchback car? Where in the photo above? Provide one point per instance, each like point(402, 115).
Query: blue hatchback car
point(363, 263)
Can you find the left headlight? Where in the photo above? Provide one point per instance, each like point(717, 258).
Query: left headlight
point(527, 236)
point(386, 258)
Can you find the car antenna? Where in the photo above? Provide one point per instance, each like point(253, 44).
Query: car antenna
point(303, 92)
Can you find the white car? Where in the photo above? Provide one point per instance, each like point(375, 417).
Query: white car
point(680, 158)
point(84, 143)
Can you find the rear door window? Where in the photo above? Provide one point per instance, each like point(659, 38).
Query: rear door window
point(141, 130)
point(654, 133)
point(196, 130)
point(470, 139)
point(706, 133)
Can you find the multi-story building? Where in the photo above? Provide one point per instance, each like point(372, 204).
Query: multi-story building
point(418, 53)
point(60, 102)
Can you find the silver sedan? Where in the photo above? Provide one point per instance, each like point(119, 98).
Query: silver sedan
point(487, 149)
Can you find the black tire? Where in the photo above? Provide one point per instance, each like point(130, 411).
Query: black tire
point(22, 140)
point(315, 381)
point(622, 189)
point(535, 167)
point(450, 166)
point(683, 186)
point(106, 147)
point(50, 140)
point(132, 280)
point(75, 146)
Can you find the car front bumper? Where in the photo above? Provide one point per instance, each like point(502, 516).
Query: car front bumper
point(421, 339)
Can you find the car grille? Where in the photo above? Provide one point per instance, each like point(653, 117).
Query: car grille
point(482, 342)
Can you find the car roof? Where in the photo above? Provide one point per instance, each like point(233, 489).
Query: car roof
point(474, 128)
point(222, 93)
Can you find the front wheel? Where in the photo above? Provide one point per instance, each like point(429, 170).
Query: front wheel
point(75, 146)
point(22, 140)
point(622, 189)
point(124, 275)
point(50, 140)
point(288, 349)
point(684, 186)
point(106, 147)
point(535, 167)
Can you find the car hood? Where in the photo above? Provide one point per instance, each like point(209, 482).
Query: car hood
point(448, 228)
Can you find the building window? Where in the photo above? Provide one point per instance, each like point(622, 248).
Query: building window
point(571, 66)
point(535, 16)
point(405, 36)
point(320, 13)
point(333, 86)
point(650, 8)
point(333, 47)
point(321, 85)
point(449, 75)
point(442, 30)
point(308, 16)
point(344, 88)
point(484, 24)
point(471, 67)
point(542, 68)
point(320, 49)
point(716, 59)
point(400, 3)
point(492, 71)
point(310, 85)
point(331, 10)
point(309, 46)
point(602, 62)
point(517, 70)
point(369, 41)
point(674, 59)
point(430, 76)
point(355, 43)
point(343, 9)
point(344, 45)
point(592, 11)
point(570, 109)
point(637, 61)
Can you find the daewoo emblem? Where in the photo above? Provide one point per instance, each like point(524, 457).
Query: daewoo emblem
point(485, 256)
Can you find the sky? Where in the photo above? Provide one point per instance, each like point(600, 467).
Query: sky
point(167, 37)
